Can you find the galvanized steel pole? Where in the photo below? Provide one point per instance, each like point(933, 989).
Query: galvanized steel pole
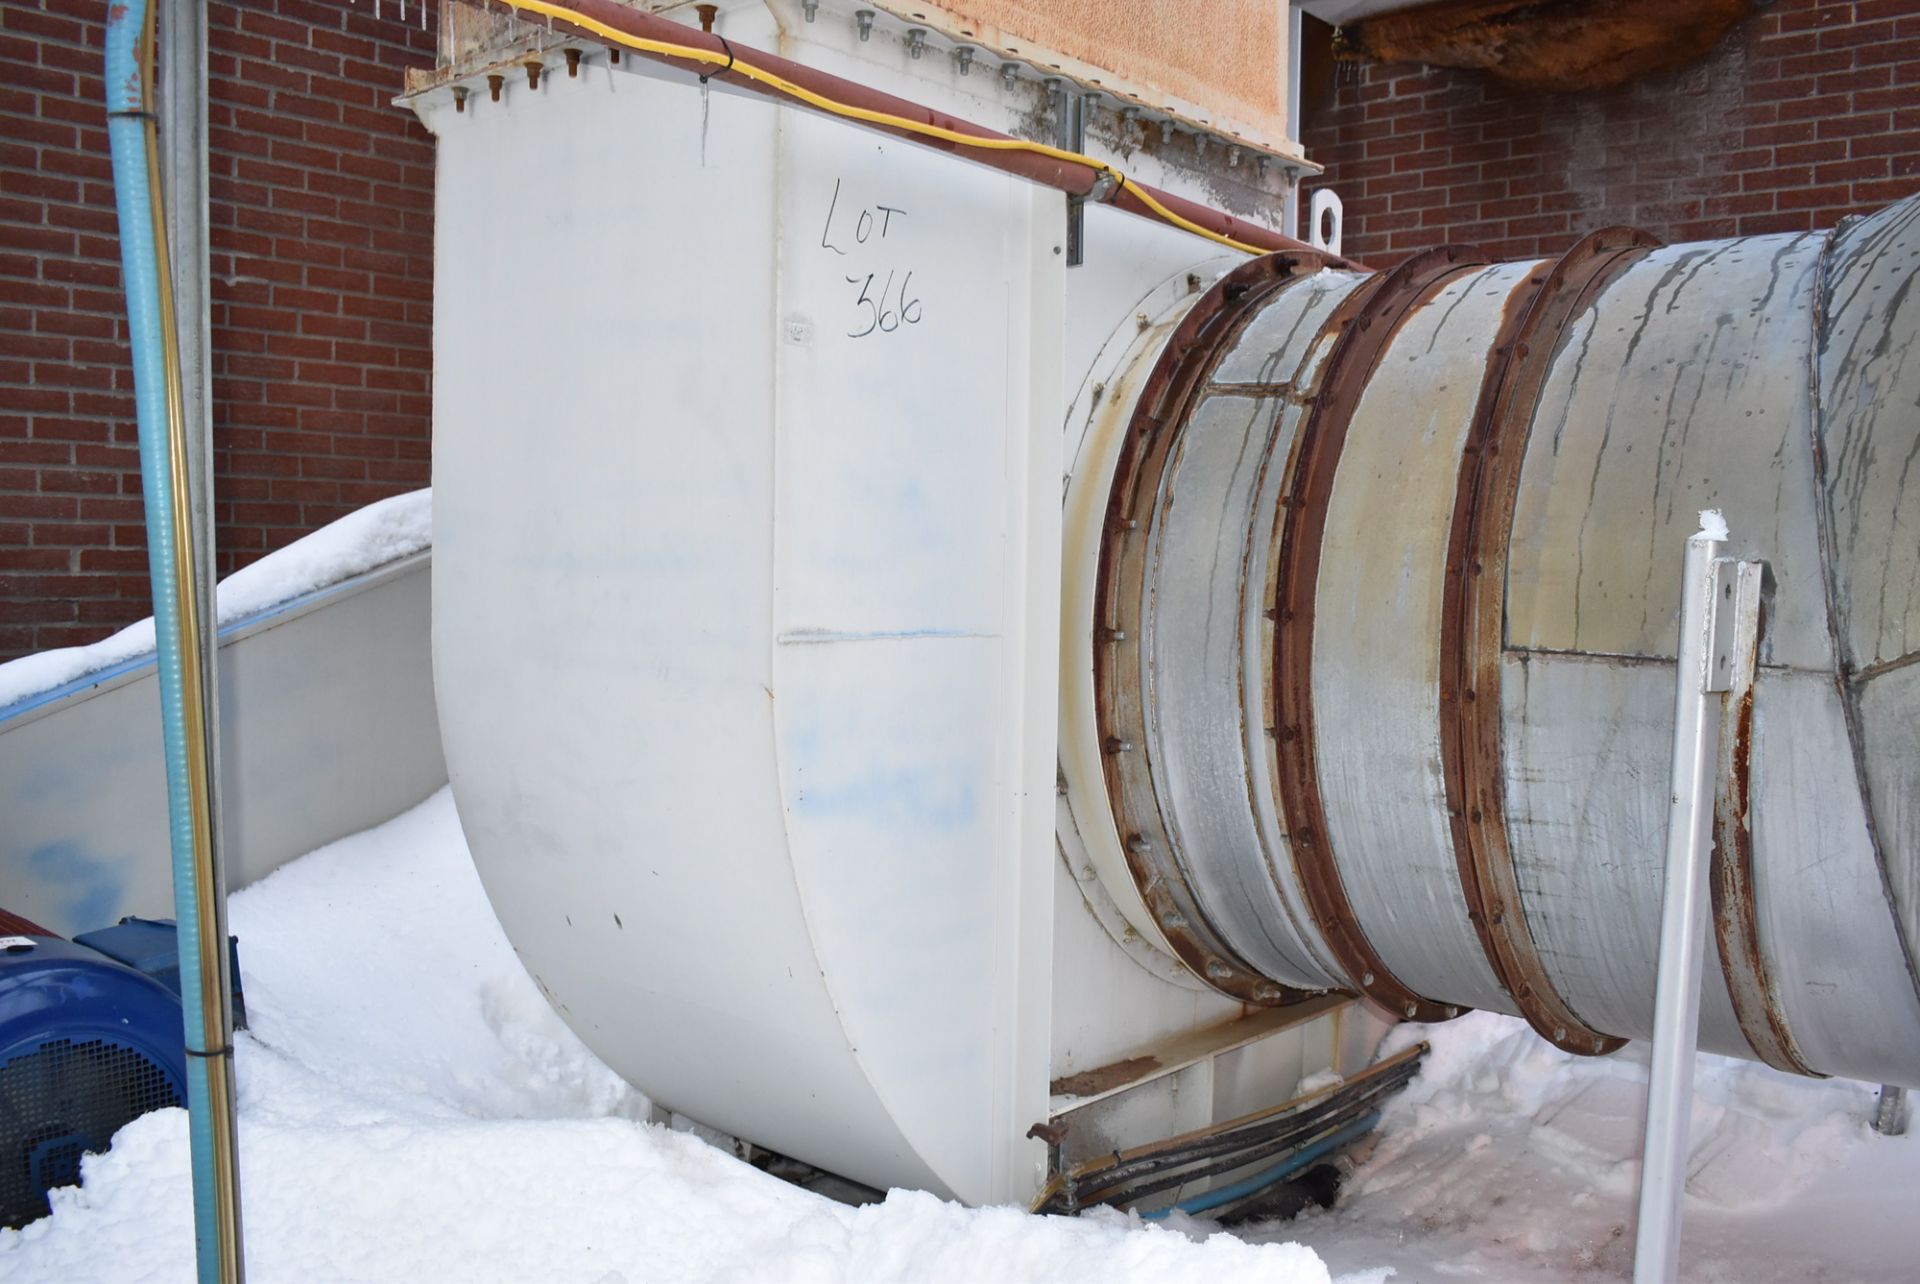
point(1709, 640)
point(181, 108)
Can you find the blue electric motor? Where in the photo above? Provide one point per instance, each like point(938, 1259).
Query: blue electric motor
point(88, 1042)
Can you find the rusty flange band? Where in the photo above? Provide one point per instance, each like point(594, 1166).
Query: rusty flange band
point(1473, 625)
point(1366, 322)
point(1197, 345)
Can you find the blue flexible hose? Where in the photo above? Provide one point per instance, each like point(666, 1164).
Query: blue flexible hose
point(1292, 1164)
point(128, 112)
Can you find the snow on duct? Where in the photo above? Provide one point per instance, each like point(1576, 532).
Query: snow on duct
point(849, 791)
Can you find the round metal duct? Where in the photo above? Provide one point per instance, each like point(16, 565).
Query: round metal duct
point(1384, 626)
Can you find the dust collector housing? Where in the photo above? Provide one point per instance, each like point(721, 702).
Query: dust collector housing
point(877, 742)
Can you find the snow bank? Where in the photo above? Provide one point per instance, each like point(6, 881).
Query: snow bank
point(1509, 1160)
point(412, 1110)
point(358, 542)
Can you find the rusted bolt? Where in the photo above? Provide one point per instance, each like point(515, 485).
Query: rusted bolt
point(1268, 993)
point(494, 82)
point(1173, 920)
point(707, 12)
point(613, 56)
point(1051, 1133)
point(1116, 635)
point(533, 75)
point(1116, 745)
point(1140, 319)
point(1193, 281)
point(1217, 970)
point(459, 98)
point(1138, 845)
point(573, 62)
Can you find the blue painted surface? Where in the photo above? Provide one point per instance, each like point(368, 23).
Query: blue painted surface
point(92, 887)
point(150, 946)
point(53, 992)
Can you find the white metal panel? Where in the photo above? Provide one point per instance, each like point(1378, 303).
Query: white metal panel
point(904, 440)
point(784, 853)
point(604, 502)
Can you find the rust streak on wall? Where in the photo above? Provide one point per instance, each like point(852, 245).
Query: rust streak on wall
point(1558, 45)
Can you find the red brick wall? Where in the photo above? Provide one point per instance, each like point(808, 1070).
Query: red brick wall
point(1805, 112)
point(322, 265)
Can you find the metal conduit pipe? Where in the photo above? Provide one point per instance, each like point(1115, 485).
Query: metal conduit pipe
point(1385, 613)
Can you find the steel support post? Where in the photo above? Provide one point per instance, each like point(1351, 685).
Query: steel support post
point(1719, 616)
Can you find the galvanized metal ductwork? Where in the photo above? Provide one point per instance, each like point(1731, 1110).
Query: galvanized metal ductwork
point(1383, 621)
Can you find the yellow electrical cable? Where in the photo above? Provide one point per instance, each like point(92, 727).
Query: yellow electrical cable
point(832, 106)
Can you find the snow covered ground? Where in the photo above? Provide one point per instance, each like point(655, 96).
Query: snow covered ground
point(411, 1110)
point(363, 539)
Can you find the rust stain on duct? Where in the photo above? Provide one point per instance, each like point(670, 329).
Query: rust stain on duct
point(1559, 45)
point(1366, 321)
point(1473, 624)
point(1735, 927)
